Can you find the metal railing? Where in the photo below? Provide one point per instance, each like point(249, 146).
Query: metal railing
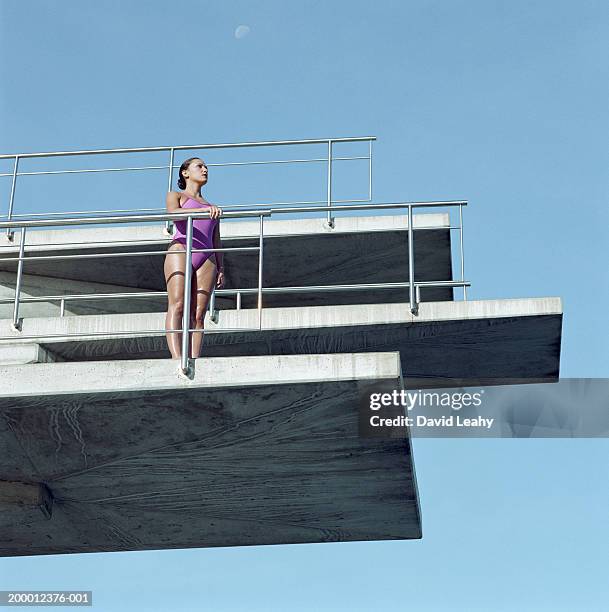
point(412, 285)
point(261, 211)
point(170, 167)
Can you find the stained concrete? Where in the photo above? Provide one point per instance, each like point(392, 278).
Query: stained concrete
point(297, 252)
point(135, 459)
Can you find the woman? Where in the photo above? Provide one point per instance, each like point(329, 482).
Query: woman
point(207, 268)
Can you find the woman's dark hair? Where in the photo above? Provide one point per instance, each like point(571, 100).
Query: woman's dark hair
point(184, 166)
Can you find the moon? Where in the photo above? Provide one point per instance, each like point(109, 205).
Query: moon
point(242, 31)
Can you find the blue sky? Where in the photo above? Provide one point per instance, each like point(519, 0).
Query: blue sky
point(500, 103)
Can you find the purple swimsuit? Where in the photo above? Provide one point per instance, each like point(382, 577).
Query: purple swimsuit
point(202, 234)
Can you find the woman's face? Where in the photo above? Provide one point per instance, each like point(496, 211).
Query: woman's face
point(197, 171)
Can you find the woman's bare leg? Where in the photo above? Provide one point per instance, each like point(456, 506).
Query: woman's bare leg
point(205, 281)
point(174, 277)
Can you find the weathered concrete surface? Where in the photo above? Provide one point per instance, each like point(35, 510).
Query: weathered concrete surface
point(494, 340)
point(298, 252)
point(161, 374)
point(21, 354)
point(200, 463)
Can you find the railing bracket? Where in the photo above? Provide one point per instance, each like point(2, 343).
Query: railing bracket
point(189, 371)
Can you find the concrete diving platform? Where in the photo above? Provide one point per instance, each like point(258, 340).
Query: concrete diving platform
point(447, 343)
point(117, 456)
point(297, 253)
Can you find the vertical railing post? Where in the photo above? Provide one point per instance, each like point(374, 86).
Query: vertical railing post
point(62, 308)
point(330, 220)
point(9, 231)
point(169, 224)
point(16, 322)
point(370, 171)
point(411, 287)
point(213, 316)
point(461, 246)
point(185, 359)
point(260, 262)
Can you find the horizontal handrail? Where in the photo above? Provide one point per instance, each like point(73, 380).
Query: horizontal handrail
point(77, 297)
point(265, 143)
point(372, 206)
point(209, 165)
point(125, 254)
point(245, 291)
point(204, 214)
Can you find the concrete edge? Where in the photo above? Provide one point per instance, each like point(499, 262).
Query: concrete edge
point(108, 326)
point(217, 372)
